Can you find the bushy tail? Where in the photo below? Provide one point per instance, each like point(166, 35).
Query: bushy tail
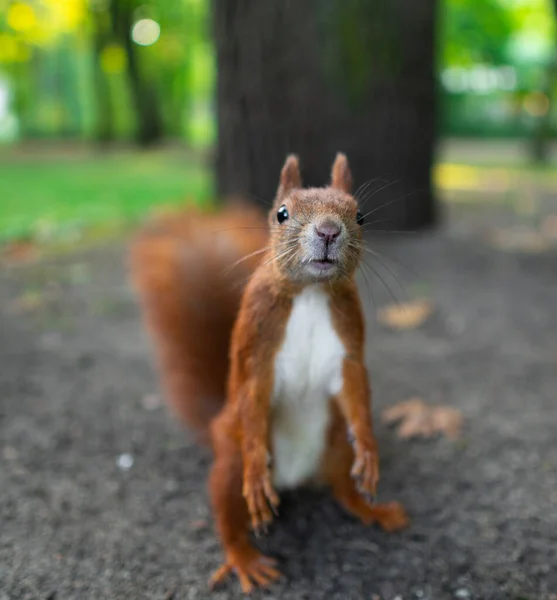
point(189, 285)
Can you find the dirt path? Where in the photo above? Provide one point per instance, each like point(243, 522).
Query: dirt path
point(103, 497)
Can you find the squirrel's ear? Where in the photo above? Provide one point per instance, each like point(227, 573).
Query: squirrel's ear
point(290, 177)
point(341, 177)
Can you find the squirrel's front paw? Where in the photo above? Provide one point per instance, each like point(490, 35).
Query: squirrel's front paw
point(366, 470)
point(260, 496)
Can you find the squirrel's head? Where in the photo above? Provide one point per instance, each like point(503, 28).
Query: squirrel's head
point(315, 232)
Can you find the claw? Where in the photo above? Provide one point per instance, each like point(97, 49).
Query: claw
point(261, 499)
point(365, 472)
point(251, 567)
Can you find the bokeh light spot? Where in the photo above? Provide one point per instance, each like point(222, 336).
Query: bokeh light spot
point(146, 32)
point(21, 17)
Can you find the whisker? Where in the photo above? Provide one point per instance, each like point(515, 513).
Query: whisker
point(383, 256)
point(383, 187)
point(380, 207)
point(397, 262)
point(369, 288)
point(276, 257)
point(241, 282)
point(366, 226)
point(391, 272)
point(296, 220)
point(241, 260)
point(363, 189)
point(291, 257)
point(390, 202)
point(256, 252)
point(377, 274)
point(354, 251)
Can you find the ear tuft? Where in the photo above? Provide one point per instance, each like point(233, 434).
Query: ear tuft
point(341, 177)
point(290, 177)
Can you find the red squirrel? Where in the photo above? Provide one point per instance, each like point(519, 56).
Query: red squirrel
point(297, 404)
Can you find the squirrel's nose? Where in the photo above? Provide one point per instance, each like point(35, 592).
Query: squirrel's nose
point(328, 231)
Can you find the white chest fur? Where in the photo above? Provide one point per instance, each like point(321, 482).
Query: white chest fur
point(308, 372)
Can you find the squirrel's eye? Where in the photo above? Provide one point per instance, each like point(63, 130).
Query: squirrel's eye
point(282, 214)
point(359, 218)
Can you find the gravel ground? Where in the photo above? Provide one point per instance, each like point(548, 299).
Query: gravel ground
point(103, 496)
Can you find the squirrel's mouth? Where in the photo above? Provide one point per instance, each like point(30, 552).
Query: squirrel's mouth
point(324, 264)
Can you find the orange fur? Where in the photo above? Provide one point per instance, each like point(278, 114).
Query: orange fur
point(176, 271)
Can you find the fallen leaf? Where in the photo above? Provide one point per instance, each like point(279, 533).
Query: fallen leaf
point(20, 251)
point(199, 524)
point(407, 315)
point(417, 419)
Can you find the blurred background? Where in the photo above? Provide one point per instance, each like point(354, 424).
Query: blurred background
point(110, 108)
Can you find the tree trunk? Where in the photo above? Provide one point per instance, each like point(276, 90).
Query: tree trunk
point(104, 126)
point(541, 135)
point(149, 120)
point(319, 76)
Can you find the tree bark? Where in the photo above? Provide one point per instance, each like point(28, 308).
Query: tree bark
point(320, 76)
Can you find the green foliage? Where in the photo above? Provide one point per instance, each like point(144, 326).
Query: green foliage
point(183, 63)
point(70, 55)
point(495, 32)
point(73, 56)
point(478, 36)
point(474, 31)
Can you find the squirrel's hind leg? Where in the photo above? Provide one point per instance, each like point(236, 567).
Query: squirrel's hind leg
point(339, 458)
point(232, 519)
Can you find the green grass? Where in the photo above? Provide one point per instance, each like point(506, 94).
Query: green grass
point(62, 195)
point(60, 199)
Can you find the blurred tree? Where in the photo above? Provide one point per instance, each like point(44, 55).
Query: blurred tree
point(322, 76)
point(102, 48)
point(143, 90)
point(181, 63)
point(543, 102)
point(542, 134)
